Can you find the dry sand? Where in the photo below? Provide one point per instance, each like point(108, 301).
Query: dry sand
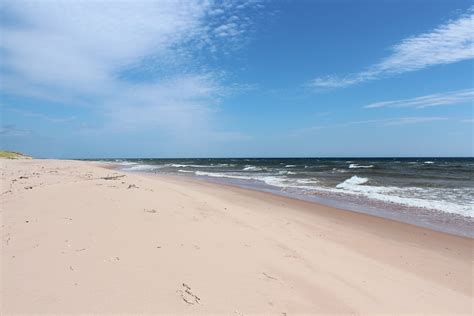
point(79, 238)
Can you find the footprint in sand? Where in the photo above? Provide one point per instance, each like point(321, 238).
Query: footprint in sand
point(188, 296)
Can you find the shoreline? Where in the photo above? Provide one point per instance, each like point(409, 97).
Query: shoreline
point(79, 237)
point(449, 223)
point(306, 205)
point(310, 204)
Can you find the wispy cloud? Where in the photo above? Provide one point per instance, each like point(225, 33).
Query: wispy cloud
point(12, 130)
point(42, 116)
point(400, 120)
point(135, 62)
point(394, 121)
point(448, 43)
point(447, 98)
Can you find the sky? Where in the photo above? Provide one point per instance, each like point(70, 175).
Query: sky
point(249, 78)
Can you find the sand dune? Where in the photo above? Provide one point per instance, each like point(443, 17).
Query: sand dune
point(78, 237)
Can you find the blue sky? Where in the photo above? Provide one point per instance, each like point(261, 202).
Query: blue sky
point(237, 78)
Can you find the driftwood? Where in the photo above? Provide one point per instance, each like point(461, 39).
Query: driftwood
point(112, 177)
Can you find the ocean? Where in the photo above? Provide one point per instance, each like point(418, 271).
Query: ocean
point(431, 192)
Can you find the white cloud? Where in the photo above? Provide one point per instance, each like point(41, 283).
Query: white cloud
point(447, 98)
point(448, 43)
point(42, 116)
point(76, 53)
point(393, 121)
point(400, 121)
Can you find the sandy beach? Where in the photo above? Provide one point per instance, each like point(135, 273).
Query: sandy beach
point(80, 238)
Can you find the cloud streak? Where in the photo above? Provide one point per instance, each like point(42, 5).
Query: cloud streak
point(400, 120)
point(42, 116)
point(437, 99)
point(393, 121)
point(13, 131)
point(448, 43)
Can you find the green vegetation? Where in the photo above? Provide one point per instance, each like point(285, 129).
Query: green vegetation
point(12, 155)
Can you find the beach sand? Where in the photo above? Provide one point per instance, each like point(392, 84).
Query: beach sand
point(80, 238)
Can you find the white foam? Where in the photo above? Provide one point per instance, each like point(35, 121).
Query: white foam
point(285, 183)
point(187, 171)
point(222, 175)
point(429, 162)
point(454, 201)
point(177, 165)
point(141, 168)
point(408, 196)
point(349, 183)
point(286, 172)
point(290, 166)
point(126, 163)
point(307, 181)
point(356, 166)
point(252, 168)
point(276, 181)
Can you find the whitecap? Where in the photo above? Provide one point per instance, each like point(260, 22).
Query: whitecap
point(138, 167)
point(221, 175)
point(286, 172)
point(351, 182)
point(252, 168)
point(408, 196)
point(176, 165)
point(126, 163)
point(356, 166)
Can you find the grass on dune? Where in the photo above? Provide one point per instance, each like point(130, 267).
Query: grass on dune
point(12, 155)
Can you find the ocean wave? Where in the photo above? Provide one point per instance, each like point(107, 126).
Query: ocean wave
point(272, 180)
point(454, 201)
point(286, 172)
point(221, 175)
point(429, 162)
point(185, 171)
point(356, 166)
point(411, 197)
point(138, 167)
point(126, 163)
point(351, 182)
point(290, 166)
point(307, 181)
point(177, 165)
point(252, 168)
